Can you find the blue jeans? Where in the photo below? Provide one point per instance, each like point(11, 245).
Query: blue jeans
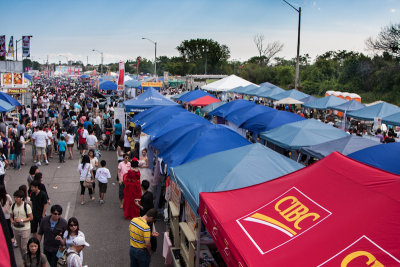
point(139, 257)
point(17, 161)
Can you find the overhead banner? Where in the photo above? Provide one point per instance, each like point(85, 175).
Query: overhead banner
point(2, 47)
point(151, 84)
point(121, 76)
point(10, 52)
point(26, 44)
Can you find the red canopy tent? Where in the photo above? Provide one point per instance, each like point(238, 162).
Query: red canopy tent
point(336, 212)
point(203, 101)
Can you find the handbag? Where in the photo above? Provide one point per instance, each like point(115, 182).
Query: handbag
point(88, 182)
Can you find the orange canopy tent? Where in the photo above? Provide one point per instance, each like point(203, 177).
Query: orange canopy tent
point(203, 101)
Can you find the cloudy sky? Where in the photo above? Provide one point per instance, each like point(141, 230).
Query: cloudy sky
point(73, 28)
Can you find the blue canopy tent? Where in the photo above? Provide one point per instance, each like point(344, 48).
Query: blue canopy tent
point(107, 85)
point(241, 115)
point(148, 112)
point(325, 102)
point(345, 145)
point(212, 106)
point(379, 110)
point(243, 89)
point(154, 127)
point(258, 91)
point(150, 98)
point(192, 95)
point(302, 133)
point(393, 119)
point(308, 99)
point(348, 106)
point(84, 76)
point(107, 78)
point(270, 120)
point(295, 94)
point(231, 169)
point(201, 142)
point(229, 107)
point(272, 92)
point(267, 84)
point(132, 84)
point(383, 156)
point(5, 106)
point(179, 95)
point(165, 114)
point(9, 99)
point(27, 76)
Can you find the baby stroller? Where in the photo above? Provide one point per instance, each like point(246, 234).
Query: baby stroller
point(106, 142)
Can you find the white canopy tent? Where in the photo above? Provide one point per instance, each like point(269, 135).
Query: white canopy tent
point(288, 101)
point(226, 84)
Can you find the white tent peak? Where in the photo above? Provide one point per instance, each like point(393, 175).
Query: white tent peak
point(226, 84)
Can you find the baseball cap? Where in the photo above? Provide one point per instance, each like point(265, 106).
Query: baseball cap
point(80, 241)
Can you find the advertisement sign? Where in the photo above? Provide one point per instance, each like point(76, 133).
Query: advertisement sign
point(190, 218)
point(26, 43)
point(17, 90)
point(2, 47)
point(10, 52)
point(6, 79)
point(121, 76)
point(17, 78)
point(151, 84)
point(119, 113)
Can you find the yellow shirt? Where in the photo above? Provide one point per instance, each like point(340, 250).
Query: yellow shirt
point(139, 232)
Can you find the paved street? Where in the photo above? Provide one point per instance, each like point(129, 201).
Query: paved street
point(104, 226)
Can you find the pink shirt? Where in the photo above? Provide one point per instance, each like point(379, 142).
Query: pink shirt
point(122, 169)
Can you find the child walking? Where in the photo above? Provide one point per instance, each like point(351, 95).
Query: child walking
point(102, 176)
point(62, 145)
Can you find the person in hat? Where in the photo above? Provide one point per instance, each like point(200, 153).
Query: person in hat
point(73, 259)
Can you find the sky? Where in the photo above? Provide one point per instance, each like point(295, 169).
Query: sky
point(74, 28)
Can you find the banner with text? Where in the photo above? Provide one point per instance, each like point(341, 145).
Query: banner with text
point(26, 44)
point(10, 52)
point(121, 76)
point(151, 84)
point(2, 47)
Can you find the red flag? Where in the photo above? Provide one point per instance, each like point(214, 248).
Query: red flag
point(121, 75)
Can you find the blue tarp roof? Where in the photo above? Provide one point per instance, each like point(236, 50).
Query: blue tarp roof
point(272, 92)
point(231, 169)
point(84, 76)
point(302, 133)
point(348, 106)
point(229, 107)
point(108, 85)
point(295, 94)
point(393, 119)
point(107, 78)
point(243, 89)
point(325, 102)
point(133, 84)
point(148, 99)
point(179, 95)
point(212, 106)
point(5, 106)
point(152, 128)
point(379, 110)
point(192, 95)
point(241, 115)
point(9, 99)
point(27, 76)
point(165, 114)
point(308, 99)
point(267, 84)
point(258, 91)
point(345, 145)
point(270, 120)
point(384, 156)
point(137, 119)
point(201, 142)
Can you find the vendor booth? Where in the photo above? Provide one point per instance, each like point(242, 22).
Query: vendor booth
point(393, 119)
point(226, 84)
point(379, 110)
point(296, 94)
point(336, 212)
point(204, 101)
point(150, 98)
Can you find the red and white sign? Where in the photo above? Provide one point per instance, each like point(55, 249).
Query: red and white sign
point(121, 76)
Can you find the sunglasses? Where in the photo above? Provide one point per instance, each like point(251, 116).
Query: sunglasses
point(73, 224)
point(56, 213)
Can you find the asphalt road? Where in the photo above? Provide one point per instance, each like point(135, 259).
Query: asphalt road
point(104, 226)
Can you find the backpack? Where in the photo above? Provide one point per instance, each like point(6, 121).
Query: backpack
point(63, 260)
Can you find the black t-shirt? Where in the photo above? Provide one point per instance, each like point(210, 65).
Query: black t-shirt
point(38, 202)
point(147, 202)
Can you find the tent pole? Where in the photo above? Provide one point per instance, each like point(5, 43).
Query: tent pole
point(197, 262)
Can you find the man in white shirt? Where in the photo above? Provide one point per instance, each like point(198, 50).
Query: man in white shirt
point(91, 141)
point(40, 140)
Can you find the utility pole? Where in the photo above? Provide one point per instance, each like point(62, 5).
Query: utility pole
point(296, 84)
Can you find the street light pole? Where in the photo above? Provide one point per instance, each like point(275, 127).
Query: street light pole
point(296, 84)
point(155, 55)
point(101, 53)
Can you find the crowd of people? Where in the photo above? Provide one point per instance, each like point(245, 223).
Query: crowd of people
point(65, 115)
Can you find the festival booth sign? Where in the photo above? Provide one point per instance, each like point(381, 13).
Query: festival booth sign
point(150, 98)
point(382, 156)
point(270, 120)
point(336, 212)
point(204, 101)
point(154, 85)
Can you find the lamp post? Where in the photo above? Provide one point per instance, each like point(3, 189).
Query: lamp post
point(155, 55)
point(296, 84)
point(101, 53)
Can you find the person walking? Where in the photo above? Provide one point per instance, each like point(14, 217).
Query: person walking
point(70, 142)
point(61, 148)
point(86, 175)
point(33, 257)
point(102, 176)
point(123, 167)
point(51, 227)
point(40, 140)
point(6, 202)
point(71, 234)
point(117, 131)
point(78, 245)
point(20, 216)
point(140, 233)
point(132, 191)
point(38, 204)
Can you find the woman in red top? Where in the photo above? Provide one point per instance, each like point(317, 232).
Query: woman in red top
point(132, 191)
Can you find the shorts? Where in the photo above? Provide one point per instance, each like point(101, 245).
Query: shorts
point(102, 187)
point(82, 146)
point(40, 150)
point(70, 145)
point(35, 223)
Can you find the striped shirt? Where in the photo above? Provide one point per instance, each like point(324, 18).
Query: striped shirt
point(139, 232)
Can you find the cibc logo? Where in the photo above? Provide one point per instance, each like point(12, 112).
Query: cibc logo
point(362, 252)
point(286, 217)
